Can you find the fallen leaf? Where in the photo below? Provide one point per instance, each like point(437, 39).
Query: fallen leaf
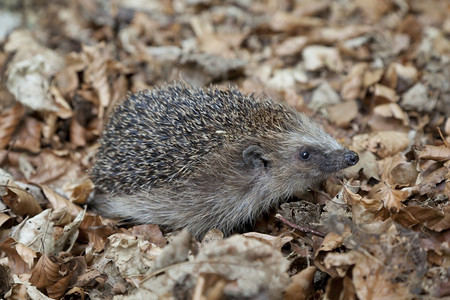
point(16, 263)
point(384, 143)
point(438, 153)
point(316, 57)
point(20, 201)
point(57, 201)
point(300, 287)
point(343, 113)
point(45, 272)
point(9, 120)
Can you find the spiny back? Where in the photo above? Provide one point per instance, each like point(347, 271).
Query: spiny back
point(158, 136)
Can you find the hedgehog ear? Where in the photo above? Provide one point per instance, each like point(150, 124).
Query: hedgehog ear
point(254, 157)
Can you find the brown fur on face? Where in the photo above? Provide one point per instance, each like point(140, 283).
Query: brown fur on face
point(204, 158)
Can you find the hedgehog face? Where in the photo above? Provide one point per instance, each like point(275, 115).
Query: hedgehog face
point(298, 162)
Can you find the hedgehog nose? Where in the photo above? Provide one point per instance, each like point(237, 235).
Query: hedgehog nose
point(351, 157)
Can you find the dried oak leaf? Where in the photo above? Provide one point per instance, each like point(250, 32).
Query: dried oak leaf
point(391, 198)
point(55, 169)
point(28, 255)
point(300, 287)
point(96, 73)
point(151, 233)
point(45, 273)
point(79, 192)
point(29, 136)
point(438, 153)
point(20, 201)
point(431, 218)
point(353, 84)
point(58, 289)
point(343, 113)
point(96, 232)
point(16, 263)
point(383, 143)
point(428, 184)
point(9, 120)
point(57, 201)
point(392, 110)
point(331, 242)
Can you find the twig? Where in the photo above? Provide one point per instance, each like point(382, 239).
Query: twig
point(298, 227)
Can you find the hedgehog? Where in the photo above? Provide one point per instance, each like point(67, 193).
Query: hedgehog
point(203, 158)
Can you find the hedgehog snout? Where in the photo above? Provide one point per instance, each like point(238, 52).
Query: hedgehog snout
point(351, 157)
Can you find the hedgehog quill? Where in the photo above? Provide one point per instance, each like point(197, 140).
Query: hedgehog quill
point(199, 159)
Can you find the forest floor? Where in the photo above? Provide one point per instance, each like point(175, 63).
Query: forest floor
point(374, 73)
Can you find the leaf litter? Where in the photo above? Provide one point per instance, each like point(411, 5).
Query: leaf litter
point(373, 73)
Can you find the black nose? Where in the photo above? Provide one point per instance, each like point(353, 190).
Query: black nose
point(351, 157)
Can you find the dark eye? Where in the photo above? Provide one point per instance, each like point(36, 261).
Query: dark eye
point(304, 155)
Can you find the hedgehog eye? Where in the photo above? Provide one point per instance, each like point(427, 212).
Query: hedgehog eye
point(305, 155)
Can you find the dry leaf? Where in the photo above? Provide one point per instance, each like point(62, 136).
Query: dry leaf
point(392, 110)
point(57, 201)
point(438, 153)
point(316, 57)
point(45, 272)
point(282, 21)
point(20, 201)
point(416, 98)
point(30, 71)
point(28, 255)
point(15, 261)
point(9, 120)
point(79, 192)
point(291, 46)
point(353, 83)
point(391, 198)
point(384, 92)
point(384, 143)
point(301, 284)
point(343, 113)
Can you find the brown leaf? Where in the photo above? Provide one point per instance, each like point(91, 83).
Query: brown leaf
point(150, 233)
point(291, 46)
point(45, 273)
point(5, 220)
point(364, 209)
point(391, 198)
point(28, 255)
point(384, 92)
point(438, 153)
point(384, 143)
point(282, 21)
point(20, 201)
point(67, 81)
point(54, 169)
point(330, 242)
point(58, 289)
point(78, 193)
point(57, 201)
point(300, 287)
point(15, 262)
point(431, 218)
point(74, 267)
point(77, 133)
point(29, 136)
point(392, 110)
point(9, 120)
point(96, 74)
point(429, 182)
point(91, 278)
point(93, 230)
point(353, 83)
point(343, 113)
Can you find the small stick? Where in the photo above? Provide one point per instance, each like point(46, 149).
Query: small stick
point(300, 228)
